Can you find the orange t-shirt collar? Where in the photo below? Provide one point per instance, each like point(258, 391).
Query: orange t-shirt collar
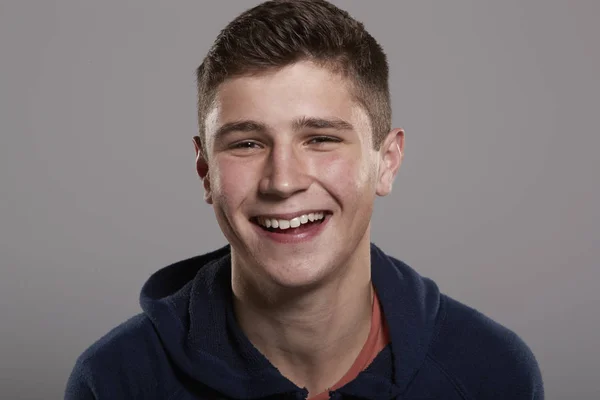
point(378, 338)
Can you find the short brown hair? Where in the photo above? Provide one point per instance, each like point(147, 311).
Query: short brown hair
point(278, 33)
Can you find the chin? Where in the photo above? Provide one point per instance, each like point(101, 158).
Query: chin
point(297, 274)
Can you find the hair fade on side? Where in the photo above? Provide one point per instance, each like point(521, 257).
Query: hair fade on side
point(278, 33)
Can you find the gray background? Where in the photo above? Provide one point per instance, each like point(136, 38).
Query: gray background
point(497, 199)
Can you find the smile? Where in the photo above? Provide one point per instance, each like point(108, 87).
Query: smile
point(292, 228)
point(283, 224)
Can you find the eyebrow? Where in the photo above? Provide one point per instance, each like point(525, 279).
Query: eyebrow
point(322, 123)
point(299, 124)
point(239, 126)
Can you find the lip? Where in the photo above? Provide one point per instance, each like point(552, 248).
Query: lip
point(292, 238)
point(290, 215)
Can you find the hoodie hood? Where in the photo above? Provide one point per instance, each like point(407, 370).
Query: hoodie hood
point(190, 305)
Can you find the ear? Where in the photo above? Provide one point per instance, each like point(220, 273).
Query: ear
point(391, 153)
point(202, 169)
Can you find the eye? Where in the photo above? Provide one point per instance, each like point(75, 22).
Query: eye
point(246, 144)
point(323, 139)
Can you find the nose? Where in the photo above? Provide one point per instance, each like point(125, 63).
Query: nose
point(286, 173)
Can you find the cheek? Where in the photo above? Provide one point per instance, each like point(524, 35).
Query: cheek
point(231, 183)
point(347, 177)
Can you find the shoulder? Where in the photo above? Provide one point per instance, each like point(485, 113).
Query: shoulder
point(125, 361)
point(131, 337)
point(484, 358)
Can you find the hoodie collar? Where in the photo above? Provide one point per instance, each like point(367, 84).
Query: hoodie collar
point(410, 304)
point(190, 304)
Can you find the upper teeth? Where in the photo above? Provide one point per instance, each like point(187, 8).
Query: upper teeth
point(289, 223)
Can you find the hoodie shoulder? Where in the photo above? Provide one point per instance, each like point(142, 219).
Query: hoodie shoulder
point(483, 358)
point(124, 363)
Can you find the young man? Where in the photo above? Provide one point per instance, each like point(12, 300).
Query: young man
point(295, 143)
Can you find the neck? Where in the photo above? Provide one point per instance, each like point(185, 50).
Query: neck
point(311, 336)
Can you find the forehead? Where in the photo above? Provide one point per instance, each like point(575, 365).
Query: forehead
point(277, 97)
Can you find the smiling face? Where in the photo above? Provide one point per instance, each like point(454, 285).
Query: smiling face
point(292, 175)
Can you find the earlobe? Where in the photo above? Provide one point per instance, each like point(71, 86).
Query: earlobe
point(392, 153)
point(202, 169)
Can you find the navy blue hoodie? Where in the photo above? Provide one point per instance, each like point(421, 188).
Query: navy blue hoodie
point(187, 345)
